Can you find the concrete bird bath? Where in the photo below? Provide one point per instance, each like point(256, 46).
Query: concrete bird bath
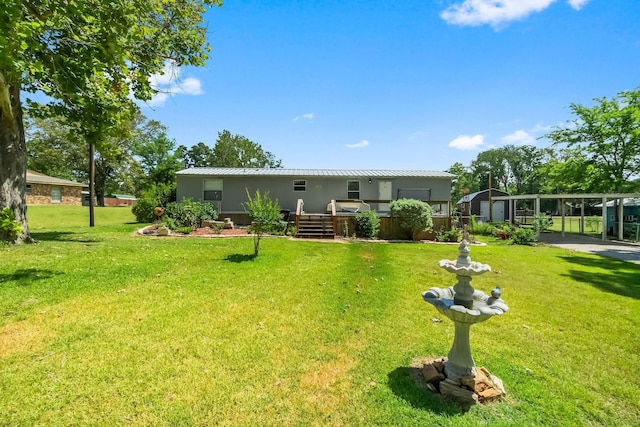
point(465, 306)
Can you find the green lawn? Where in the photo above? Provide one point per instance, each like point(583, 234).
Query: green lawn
point(592, 226)
point(99, 326)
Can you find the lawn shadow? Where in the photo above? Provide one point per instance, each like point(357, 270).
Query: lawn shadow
point(623, 279)
point(240, 257)
point(26, 276)
point(60, 236)
point(408, 384)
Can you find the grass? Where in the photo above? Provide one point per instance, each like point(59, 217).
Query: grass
point(572, 225)
point(99, 326)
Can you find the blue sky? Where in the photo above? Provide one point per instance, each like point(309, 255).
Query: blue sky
point(399, 84)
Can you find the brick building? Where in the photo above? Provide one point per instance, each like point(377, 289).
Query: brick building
point(45, 190)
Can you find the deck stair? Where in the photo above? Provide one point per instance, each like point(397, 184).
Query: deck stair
point(315, 226)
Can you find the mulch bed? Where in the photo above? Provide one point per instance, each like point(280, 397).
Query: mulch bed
point(152, 230)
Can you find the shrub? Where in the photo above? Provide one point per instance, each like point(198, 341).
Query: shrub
point(452, 235)
point(412, 215)
point(157, 195)
point(367, 224)
point(184, 230)
point(280, 227)
point(483, 229)
point(9, 227)
point(189, 213)
point(523, 236)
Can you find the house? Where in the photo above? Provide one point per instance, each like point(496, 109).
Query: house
point(120, 200)
point(630, 215)
point(43, 190)
point(331, 192)
point(479, 205)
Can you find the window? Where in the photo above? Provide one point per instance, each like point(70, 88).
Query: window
point(299, 185)
point(56, 195)
point(353, 189)
point(212, 190)
point(28, 190)
point(440, 209)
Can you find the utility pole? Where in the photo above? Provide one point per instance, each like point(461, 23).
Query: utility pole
point(92, 179)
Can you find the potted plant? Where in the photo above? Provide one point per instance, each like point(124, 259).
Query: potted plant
point(503, 231)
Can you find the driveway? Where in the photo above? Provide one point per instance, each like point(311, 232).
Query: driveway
point(613, 249)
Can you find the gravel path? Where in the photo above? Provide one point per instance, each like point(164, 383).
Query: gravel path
point(620, 250)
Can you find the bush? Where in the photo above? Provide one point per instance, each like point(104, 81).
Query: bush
point(157, 195)
point(485, 229)
point(184, 230)
point(188, 214)
point(9, 227)
point(452, 235)
point(412, 215)
point(280, 227)
point(367, 224)
point(143, 209)
point(523, 236)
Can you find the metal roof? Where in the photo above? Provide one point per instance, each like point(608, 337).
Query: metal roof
point(470, 197)
point(39, 178)
point(368, 173)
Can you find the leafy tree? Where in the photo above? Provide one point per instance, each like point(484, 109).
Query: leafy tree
point(263, 213)
point(50, 151)
point(568, 171)
point(516, 169)
point(235, 151)
point(521, 165)
point(412, 215)
point(88, 57)
point(157, 154)
point(465, 180)
point(607, 134)
point(198, 156)
point(491, 165)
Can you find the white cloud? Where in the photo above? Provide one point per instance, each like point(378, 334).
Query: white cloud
point(540, 128)
point(169, 73)
point(360, 144)
point(578, 4)
point(497, 12)
point(190, 86)
point(168, 82)
point(519, 137)
point(466, 142)
point(306, 116)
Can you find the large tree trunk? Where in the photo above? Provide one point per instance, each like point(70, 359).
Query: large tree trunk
point(13, 155)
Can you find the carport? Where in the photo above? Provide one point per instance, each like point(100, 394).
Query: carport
point(603, 197)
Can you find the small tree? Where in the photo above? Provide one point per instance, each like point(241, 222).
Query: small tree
point(412, 215)
point(541, 223)
point(263, 213)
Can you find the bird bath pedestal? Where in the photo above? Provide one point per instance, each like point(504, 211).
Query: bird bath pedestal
point(465, 306)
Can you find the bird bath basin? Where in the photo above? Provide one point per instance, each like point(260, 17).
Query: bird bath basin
point(464, 306)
